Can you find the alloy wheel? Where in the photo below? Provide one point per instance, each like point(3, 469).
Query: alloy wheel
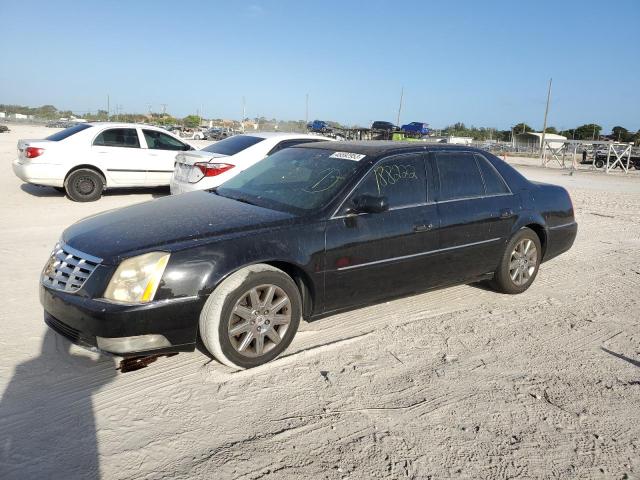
point(523, 262)
point(259, 320)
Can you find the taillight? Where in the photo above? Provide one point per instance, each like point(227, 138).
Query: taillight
point(213, 169)
point(33, 152)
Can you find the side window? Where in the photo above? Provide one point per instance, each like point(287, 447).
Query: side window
point(118, 137)
point(400, 178)
point(162, 141)
point(459, 176)
point(492, 180)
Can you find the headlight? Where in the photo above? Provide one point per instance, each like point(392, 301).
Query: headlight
point(136, 279)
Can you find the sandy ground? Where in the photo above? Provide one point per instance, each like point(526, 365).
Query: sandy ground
point(457, 383)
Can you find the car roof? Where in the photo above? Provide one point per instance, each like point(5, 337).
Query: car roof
point(283, 135)
point(123, 125)
point(383, 147)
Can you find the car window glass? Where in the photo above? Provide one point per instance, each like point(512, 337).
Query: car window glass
point(400, 178)
point(67, 132)
point(493, 182)
point(161, 141)
point(459, 176)
point(118, 137)
point(232, 145)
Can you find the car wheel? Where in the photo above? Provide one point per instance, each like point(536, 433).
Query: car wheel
point(251, 317)
point(599, 163)
point(519, 264)
point(84, 185)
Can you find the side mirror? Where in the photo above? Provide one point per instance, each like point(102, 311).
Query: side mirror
point(370, 204)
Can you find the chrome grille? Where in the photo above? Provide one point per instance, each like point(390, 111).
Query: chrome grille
point(68, 268)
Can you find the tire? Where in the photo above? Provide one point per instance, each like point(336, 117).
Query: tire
point(234, 295)
point(84, 185)
point(517, 259)
point(599, 163)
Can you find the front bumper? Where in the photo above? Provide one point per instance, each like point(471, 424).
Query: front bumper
point(126, 330)
point(39, 173)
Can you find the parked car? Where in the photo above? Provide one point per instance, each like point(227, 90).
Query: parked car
point(601, 159)
point(88, 158)
point(384, 126)
point(310, 231)
point(217, 133)
point(319, 126)
point(217, 163)
point(416, 128)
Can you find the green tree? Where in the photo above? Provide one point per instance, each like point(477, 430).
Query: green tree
point(551, 130)
point(589, 131)
point(621, 134)
point(191, 121)
point(521, 128)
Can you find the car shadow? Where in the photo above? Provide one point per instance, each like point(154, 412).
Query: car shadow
point(47, 417)
point(40, 191)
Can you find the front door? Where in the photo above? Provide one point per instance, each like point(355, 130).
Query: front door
point(374, 256)
point(161, 156)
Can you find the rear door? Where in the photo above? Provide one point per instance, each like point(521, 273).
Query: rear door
point(469, 246)
point(162, 150)
point(374, 256)
point(117, 152)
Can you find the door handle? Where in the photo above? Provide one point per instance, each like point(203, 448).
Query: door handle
point(422, 228)
point(506, 213)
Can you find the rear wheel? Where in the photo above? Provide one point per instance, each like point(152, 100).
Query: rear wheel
point(251, 317)
point(84, 185)
point(519, 264)
point(599, 163)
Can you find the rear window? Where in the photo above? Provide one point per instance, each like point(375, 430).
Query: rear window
point(67, 132)
point(233, 145)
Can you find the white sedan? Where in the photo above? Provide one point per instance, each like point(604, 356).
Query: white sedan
point(220, 161)
point(88, 158)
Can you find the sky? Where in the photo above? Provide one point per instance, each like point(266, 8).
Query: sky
point(482, 63)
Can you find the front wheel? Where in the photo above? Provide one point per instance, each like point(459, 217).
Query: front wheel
point(251, 317)
point(84, 185)
point(519, 264)
point(599, 163)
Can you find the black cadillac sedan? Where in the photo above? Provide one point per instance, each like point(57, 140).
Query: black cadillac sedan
point(307, 232)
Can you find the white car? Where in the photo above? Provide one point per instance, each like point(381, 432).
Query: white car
point(88, 158)
point(222, 160)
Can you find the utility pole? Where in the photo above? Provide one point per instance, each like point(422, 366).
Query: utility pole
point(400, 107)
point(244, 113)
point(306, 110)
point(544, 125)
point(164, 108)
point(108, 107)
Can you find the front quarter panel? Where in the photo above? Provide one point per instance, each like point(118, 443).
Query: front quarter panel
point(196, 270)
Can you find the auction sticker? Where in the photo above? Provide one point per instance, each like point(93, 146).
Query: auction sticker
point(347, 156)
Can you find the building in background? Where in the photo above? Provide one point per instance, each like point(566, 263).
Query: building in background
point(530, 141)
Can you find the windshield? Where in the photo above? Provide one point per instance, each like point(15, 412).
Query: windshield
point(67, 132)
point(232, 145)
point(294, 180)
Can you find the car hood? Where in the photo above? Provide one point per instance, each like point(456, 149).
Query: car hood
point(166, 222)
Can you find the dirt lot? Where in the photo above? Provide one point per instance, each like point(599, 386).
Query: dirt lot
point(457, 383)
